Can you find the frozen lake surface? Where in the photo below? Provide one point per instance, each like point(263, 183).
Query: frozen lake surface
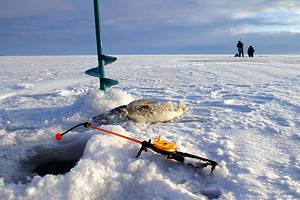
point(244, 113)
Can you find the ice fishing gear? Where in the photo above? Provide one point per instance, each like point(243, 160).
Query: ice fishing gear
point(159, 145)
point(102, 59)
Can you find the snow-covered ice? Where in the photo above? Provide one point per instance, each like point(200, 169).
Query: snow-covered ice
point(244, 113)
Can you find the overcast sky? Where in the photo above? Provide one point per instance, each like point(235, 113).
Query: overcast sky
point(47, 27)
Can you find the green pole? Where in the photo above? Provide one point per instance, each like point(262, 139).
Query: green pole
point(102, 59)
point(99, 43)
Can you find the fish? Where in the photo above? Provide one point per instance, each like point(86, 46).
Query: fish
point(143, 111)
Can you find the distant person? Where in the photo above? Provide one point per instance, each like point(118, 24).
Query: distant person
point(250, 51)
point(240, 47)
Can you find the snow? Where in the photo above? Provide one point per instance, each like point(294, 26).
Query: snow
point(244, 113)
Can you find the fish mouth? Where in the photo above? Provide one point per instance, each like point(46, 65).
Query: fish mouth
point(113, 116)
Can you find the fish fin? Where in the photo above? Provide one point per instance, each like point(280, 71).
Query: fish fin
point(182, 105)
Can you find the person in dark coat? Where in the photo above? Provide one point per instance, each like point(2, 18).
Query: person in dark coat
point(250, 51)
point(240, 47)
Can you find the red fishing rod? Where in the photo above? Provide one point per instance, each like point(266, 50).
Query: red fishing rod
point(89, 125)
point(159, 145)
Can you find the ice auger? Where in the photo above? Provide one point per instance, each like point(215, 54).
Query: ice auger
point(102, 59)
point(159, 145)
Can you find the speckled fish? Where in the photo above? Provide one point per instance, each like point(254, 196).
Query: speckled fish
point(143, 110)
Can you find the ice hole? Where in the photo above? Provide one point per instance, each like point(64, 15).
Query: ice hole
point(211, 193)
point(52, 160)
point(55, 167)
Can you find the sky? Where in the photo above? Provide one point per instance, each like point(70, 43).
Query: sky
point(66, 27)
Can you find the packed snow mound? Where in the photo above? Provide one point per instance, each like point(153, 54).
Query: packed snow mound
point(96, 101)
point(99, 101)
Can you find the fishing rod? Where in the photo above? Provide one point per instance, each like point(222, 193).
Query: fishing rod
point(159, 145)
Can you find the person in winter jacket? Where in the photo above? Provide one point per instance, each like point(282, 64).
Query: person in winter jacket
point(250, 51)
point(240, 47)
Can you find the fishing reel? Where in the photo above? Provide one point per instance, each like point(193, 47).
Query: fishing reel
point(159, 146)
point(169, 149)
